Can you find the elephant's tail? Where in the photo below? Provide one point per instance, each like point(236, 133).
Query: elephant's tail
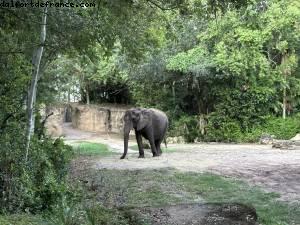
point(165, 141)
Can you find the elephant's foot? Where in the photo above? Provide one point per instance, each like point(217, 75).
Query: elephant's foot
point(155, 154)
point(159, 152)
point(141, 156)
point(122, 157)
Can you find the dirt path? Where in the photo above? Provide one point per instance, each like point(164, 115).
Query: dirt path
point(273, 169)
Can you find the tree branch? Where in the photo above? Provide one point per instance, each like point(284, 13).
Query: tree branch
point(12, 12)
point(162, 7)
point(12, 52)
point(4, 122)
point(41, 131)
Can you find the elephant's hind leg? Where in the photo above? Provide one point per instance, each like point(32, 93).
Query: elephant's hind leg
point(157, 145)
point(153, 148)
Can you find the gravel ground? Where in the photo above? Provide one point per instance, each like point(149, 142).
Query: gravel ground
point(273, 169)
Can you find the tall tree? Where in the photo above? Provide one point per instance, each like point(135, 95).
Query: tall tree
point(37, 57)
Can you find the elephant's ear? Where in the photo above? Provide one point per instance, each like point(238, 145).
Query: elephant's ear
point(145, 119)
point(127, 121)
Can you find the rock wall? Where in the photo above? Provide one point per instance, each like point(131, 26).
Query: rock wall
point(54, 122)
point(95, 118)
point(89, 118)
point(98, 118)
point(116, 119)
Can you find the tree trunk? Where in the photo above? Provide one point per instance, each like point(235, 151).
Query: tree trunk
point(87, 96)
point(69, 95)
point(199, 104)
point(284, 102)
point(285, 72)
point(173, 92)
point(37, 56)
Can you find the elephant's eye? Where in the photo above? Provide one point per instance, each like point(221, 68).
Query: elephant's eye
point(135, 117)
point(134, 114)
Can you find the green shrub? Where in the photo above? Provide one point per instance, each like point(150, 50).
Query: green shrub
point(94, 214)
point(67, 213)
point(253, 135)
point(282, 128)
point(222, 129)
point(38, 183)
point(277, 126)
point(186, 126)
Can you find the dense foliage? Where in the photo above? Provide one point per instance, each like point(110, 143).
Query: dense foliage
point(250, 56)
point(36, 184)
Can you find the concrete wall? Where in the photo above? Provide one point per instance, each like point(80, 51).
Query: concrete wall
point(89, 118)
point(116, 120)
point(95, 118)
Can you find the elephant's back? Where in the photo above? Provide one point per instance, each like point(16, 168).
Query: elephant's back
point(159, 113)
point(160, 123)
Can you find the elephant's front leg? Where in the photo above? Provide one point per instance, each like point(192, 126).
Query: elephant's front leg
point(148, 134)
point(140, 144)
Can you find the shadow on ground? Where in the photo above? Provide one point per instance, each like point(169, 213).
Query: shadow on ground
point(198, 214)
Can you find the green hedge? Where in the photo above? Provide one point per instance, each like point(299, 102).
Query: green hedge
point(224, 129)
point(229, 130)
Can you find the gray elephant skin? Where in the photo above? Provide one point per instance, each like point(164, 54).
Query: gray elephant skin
point(150, 123)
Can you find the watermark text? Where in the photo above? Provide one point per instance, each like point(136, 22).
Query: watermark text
point(42, 4)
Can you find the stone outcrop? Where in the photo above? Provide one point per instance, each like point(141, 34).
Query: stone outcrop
point(266, 139)
point(296, 138)
point(291, 144)
point(284, 144)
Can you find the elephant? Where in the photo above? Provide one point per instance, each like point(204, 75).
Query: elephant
point(150, 123)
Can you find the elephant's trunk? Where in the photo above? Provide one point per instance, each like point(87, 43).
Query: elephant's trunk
point(126, 138)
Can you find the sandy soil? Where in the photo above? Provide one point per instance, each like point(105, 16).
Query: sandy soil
point(273, 169)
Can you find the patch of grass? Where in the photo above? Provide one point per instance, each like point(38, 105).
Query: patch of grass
point(101, 215)
point(91, 149)
point(126, 189)
point(154, 196)
point(131, 188)
point(76, 214)
point(215, 188)
point(21, 219)
point(164, 187)
point(68, 213)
